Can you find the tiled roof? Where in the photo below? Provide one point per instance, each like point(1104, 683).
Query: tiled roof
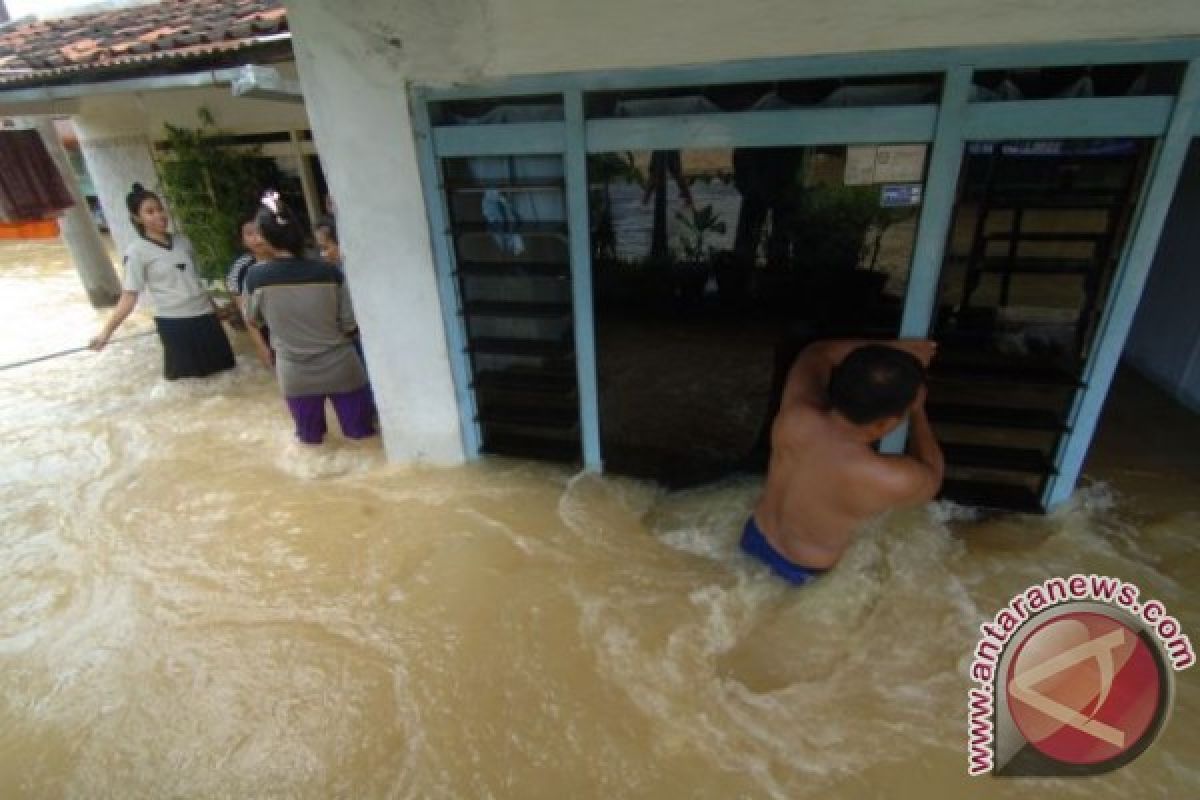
point(76, 48)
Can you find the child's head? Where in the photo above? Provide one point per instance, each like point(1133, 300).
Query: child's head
point(253, 240)
point(279, 226)
point(146, 211)
point(327, 240)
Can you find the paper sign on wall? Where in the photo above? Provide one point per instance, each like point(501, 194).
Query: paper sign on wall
point(860, 165)
point(900, 163)
point(893, 163)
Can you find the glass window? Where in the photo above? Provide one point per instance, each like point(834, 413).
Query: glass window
point(1044, 83)
point(712, 267)
point(766, 96)
point(497, 111)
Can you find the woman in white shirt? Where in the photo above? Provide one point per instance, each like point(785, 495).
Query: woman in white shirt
point(163, 264)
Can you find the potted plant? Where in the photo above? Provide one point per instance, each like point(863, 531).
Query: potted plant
point(692, 271)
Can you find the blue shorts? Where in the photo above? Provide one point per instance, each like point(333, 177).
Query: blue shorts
point(755, 544)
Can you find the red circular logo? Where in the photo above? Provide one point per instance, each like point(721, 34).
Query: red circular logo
point(1084, 688)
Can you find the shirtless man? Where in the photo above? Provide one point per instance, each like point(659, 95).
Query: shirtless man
point(825, 478)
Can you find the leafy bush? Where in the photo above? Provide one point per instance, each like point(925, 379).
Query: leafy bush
point(211, 187)
point(832, 225)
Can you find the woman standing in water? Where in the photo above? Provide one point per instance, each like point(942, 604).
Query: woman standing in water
point(307, 307)
point(163, 264)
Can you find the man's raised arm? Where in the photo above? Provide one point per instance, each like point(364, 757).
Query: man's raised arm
point(924, 449)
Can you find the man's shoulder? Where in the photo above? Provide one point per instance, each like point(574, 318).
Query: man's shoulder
point(802, 414)
point(807, 426)
point(893, 479)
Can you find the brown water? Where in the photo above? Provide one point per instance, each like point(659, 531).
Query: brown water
point(193, 606)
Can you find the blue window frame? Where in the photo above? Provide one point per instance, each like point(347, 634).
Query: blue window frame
point(948, 125)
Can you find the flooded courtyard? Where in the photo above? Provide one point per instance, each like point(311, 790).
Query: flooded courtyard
point(195, 606)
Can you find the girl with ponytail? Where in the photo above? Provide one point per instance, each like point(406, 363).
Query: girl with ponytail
point(163, 265)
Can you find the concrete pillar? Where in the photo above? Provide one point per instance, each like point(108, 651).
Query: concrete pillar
point(116, 148)
point(364, 135)
point(88, 253)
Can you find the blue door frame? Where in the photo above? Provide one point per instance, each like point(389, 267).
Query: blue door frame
point(946, 127)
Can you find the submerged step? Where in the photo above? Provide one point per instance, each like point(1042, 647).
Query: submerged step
point(1031, 265)
point(992, 495)
point(995, 416)
point(1009, 459)
point(989, 367)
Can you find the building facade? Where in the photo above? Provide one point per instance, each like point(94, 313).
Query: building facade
point(598, 233)
point(992, 174)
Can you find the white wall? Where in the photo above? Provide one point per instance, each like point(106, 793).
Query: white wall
point(1164, 343)
point(232, 114)
point(443, 41)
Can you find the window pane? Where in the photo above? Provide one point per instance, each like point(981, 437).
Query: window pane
point(1043, 83)
point(508, 223)
point(497, 111)
point(712, 267)
point(1038, 229)
point(886, 90)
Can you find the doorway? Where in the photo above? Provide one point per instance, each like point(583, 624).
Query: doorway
point(712, 268)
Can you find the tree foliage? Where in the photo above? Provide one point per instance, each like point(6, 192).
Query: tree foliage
point(211, 187)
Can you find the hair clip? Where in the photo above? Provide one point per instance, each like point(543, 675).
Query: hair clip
point(270, 199)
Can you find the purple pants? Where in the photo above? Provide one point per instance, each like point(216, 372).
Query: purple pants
point(355, 412)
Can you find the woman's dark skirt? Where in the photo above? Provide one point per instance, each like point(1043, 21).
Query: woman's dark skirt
point(193, 346)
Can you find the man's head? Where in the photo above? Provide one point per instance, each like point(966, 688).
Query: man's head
point(874, 387)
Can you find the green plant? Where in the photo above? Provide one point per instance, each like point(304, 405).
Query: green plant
point(603, 169)
point(832, 224)
point(884, 219)
point(697, 225)
point(210, 187)
point(608, 167)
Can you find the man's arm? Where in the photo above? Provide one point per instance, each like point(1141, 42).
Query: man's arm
point(915, 477)
point(925, 450)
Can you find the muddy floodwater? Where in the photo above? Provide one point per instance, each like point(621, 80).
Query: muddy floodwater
point(193, 606)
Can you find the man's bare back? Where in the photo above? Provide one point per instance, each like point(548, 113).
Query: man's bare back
point(825, 479)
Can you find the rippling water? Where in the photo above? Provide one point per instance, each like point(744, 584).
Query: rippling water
point(194, 606)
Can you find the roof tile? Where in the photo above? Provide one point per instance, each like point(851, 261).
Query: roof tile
point(168, 30)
